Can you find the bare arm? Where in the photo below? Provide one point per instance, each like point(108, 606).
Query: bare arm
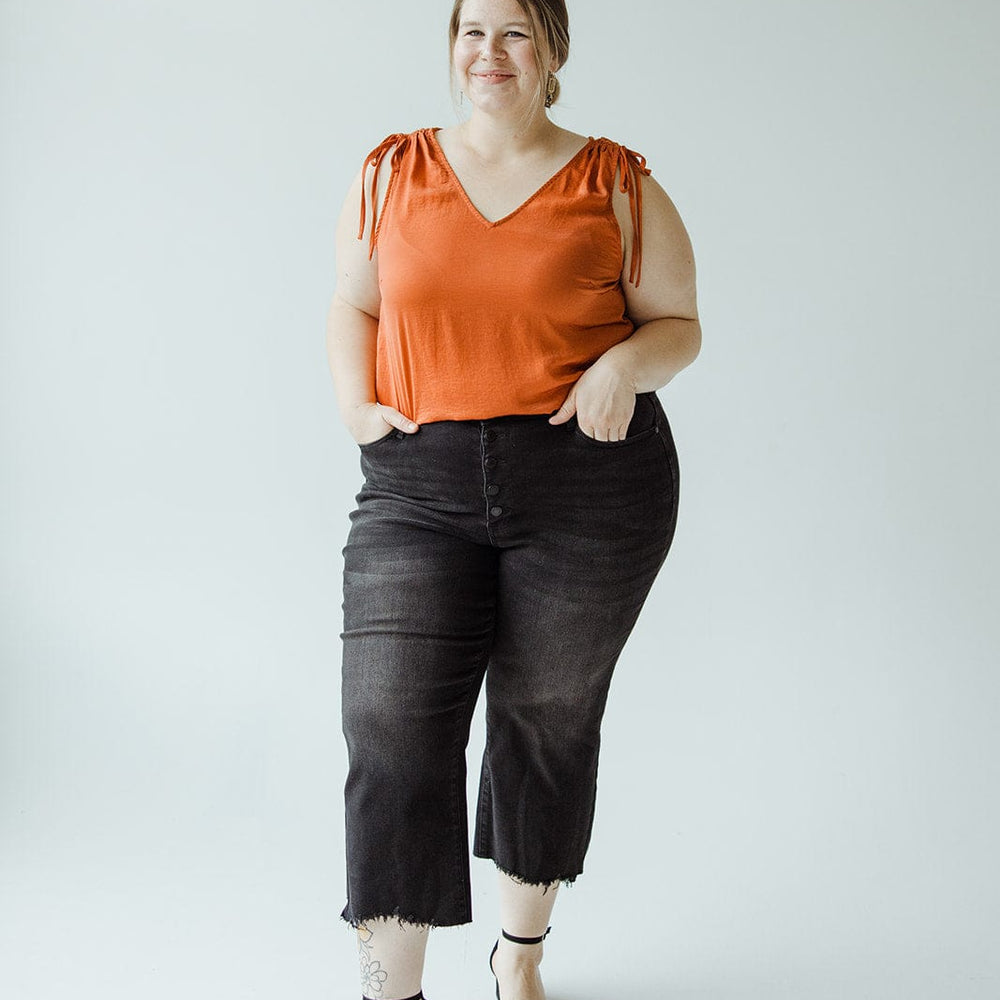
point(352, 325)
point(667, 335)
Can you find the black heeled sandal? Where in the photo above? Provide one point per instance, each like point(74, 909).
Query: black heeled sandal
point(419, 996)
point(516, 940)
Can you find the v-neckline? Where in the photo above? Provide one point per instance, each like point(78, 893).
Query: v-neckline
point(432, 136)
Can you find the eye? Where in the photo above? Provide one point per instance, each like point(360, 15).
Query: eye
point(473, 32)
point(517, 34)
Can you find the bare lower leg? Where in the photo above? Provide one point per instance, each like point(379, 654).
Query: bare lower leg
point(524, 912)
point(392, 958)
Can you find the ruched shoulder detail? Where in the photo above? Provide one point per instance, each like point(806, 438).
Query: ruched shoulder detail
point(397, 143)
point(630, 167)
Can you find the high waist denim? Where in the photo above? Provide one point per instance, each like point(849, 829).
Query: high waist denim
point(506, 548)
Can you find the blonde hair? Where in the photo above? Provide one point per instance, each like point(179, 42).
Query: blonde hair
point(553, 19)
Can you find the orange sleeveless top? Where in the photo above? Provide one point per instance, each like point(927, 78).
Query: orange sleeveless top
point(483, 319)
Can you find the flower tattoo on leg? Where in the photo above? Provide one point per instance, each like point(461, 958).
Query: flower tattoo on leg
point(373, 976)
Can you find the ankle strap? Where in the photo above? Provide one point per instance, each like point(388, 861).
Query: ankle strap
point(524, 940)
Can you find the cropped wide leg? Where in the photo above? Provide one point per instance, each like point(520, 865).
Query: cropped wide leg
point(507, 548)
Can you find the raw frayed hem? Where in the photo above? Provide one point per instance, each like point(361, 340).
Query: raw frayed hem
point(403, 920)
point(566, 880)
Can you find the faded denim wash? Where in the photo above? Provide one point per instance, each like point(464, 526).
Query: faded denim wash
point(509, 549)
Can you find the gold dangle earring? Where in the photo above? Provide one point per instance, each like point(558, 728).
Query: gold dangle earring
point(550, 90)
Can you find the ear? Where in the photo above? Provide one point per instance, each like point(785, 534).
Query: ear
point(554, 64)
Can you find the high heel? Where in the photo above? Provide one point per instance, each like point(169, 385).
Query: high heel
point(516, 940)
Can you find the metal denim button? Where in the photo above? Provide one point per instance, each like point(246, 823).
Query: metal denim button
point(496, 511)
point(492, 491)
point(491, 463)
point(490, 435)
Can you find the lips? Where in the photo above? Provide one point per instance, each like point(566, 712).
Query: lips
point(494, 77)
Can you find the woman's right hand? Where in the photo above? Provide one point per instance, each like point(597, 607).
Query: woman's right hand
point(371, 421)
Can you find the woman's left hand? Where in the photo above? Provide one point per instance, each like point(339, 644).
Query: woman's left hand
point(603, 400)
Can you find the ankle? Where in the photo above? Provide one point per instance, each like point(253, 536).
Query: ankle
point(516, 957)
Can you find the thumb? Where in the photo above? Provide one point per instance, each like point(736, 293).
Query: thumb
point(392, 416)
point(566, 411)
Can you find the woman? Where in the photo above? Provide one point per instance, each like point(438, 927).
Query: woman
point(513, 298)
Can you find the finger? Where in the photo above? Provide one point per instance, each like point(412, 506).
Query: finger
point(566, 411)
point(392, 416)
point(619, 431)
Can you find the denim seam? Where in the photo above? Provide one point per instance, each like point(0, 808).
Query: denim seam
point(480, 805)
point(458, 805)
point(673, 464)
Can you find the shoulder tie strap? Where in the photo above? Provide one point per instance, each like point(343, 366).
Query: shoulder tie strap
point(630, 166)
point(395, 142)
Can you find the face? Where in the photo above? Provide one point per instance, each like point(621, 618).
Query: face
point(494, 56)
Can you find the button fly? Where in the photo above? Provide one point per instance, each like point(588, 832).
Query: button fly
point(495, 461)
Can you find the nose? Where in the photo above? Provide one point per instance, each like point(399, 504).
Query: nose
point(493, 49)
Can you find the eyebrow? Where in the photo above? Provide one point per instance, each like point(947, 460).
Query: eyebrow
point(478, 24)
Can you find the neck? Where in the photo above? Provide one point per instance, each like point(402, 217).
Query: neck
point(495, 138)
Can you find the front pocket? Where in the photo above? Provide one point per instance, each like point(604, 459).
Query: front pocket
point(630, 440)
point(644, 424)
point(393, 433)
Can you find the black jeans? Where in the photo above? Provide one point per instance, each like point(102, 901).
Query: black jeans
point(508, 548)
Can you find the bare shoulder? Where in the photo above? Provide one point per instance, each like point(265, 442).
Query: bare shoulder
point(370, 188)
point(377, 168)
point(667, 286)
point(661, 221)
point(357, 261)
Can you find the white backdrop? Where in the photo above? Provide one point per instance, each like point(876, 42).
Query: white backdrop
point(798, 793)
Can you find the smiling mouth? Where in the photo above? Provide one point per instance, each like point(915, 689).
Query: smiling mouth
point(494, 77)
